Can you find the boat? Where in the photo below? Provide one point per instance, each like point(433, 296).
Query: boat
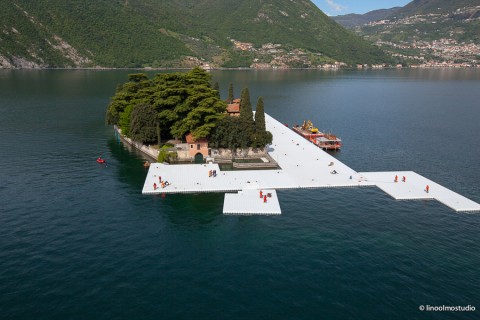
point(326, 141)
point(100, 160)
point(307, 130)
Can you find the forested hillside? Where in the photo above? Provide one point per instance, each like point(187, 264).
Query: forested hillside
point(175, 33)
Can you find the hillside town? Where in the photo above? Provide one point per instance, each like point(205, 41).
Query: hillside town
point(429, 40)
point(275, 56)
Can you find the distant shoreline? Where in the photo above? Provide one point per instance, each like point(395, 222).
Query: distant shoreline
point(438, 67)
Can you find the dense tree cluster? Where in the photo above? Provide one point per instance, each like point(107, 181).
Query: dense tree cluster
point(169, 105)
point(175, 104)
point(242, 131)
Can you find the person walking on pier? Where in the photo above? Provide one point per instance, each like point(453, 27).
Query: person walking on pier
point(396, 179)
point(404, 179)
point(427, 188)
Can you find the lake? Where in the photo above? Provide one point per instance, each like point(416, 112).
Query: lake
point(78, 240)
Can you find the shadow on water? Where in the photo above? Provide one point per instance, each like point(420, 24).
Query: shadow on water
point(187, 210)
point(193, 210)
point(129, 165)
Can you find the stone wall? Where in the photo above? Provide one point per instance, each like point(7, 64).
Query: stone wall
point(151, 152)
point(239, 153)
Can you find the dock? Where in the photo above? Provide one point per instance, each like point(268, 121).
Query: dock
point(249, 202)
point(314, 169)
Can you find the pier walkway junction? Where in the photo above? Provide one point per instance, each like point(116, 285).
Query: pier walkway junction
point(315, 169)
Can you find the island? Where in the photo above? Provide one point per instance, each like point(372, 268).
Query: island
point(180, 118)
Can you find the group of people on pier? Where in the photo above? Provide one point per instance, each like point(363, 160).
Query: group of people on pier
point(264, 196)
point(163, 183)
point(404, 179)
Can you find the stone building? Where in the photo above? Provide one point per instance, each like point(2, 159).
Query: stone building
point(197, 148)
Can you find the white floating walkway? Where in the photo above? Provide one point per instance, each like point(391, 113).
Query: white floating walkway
point(248, 202)
point(303, 165)
point(414, 188)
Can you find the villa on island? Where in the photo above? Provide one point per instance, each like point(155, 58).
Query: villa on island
point(197, 148)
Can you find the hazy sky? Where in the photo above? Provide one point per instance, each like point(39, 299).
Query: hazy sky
point(337, 7)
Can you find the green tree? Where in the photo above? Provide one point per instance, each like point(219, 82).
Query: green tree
point(201, 110)
point(262, 136)
point(178, 103)
point(246, 119)
point(226, 134)
point(143, 124)
point(230, 93)
point(128, 95)
point(137, 77)
point(216, 87)
point(260, 116)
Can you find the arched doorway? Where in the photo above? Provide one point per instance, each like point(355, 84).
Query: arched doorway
point(199, 158)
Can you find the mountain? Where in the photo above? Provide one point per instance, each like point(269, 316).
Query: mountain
point(429, 33)
point(354, 20)
point(421, 7)
point(174, 33)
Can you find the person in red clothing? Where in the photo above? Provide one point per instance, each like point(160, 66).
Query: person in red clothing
point(427, 188)
point(404, 179)
point(154, 186)
point(396, 179)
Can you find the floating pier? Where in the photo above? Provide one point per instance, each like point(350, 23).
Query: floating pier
point(314, 169)
point(249, 202)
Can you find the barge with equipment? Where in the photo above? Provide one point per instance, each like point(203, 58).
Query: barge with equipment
point(325, 141)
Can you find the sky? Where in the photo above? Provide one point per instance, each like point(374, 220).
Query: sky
point(338, 7)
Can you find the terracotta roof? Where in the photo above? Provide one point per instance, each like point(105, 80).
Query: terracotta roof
point(190, 139)
point(233, 108)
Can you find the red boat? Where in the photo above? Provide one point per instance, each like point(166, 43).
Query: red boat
point(100, 160)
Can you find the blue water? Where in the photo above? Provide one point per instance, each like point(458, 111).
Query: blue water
point(79, 241)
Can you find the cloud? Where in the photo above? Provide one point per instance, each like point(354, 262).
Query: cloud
point(335, 6)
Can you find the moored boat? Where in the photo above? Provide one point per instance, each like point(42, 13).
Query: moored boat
point(307, 130)
point(326, 141)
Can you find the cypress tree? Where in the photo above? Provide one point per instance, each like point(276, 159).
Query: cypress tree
point(230, 93)
point(246, 119)
point(216, 87)
point(260, 116)
point(260, 123)
point(262, 136)
point(246, 111)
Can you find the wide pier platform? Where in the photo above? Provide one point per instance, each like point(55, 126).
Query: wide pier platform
point(249, 202)
point(415, 188)
point(302, 165)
